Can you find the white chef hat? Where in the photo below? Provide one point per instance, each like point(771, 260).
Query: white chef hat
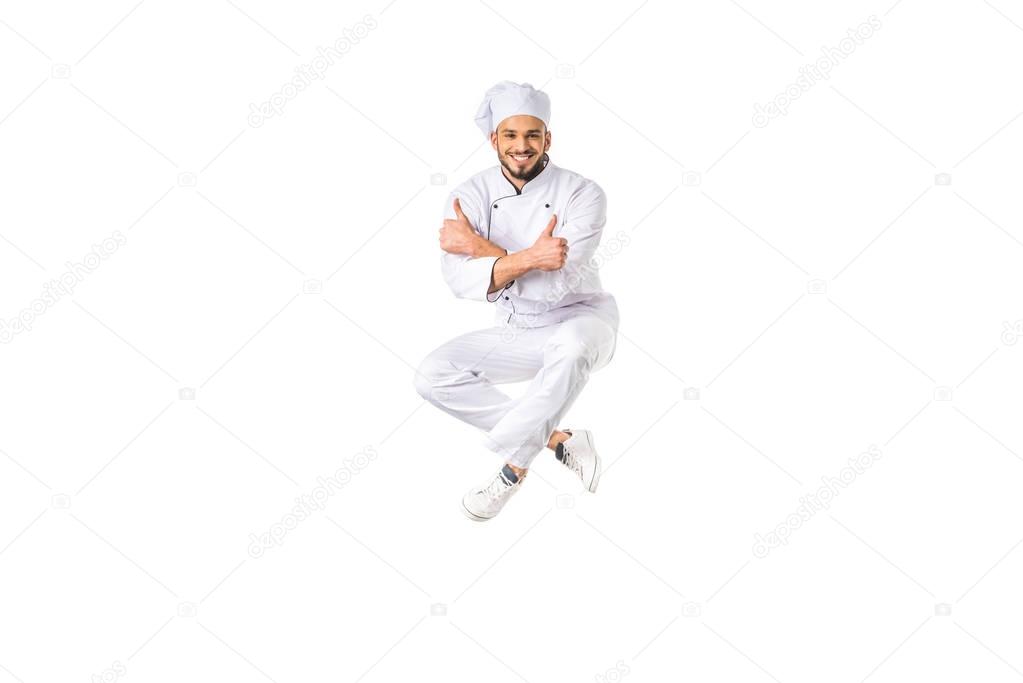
point(512, 99)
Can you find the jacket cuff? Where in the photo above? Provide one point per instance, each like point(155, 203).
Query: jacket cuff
point(476, 276)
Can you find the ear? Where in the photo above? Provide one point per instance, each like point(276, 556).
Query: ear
point(547, 141)
point(493, 140)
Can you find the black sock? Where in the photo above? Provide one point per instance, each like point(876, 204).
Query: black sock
point(509, 474)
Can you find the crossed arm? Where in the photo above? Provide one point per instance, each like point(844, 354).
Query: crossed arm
point(457, 236)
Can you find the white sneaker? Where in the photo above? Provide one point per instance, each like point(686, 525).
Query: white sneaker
point(578, 454)
point(483, 503)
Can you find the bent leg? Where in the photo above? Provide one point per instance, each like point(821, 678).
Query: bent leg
point(574, 348)
point(459, 376)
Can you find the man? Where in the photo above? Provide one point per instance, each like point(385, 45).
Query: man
point(522, 235)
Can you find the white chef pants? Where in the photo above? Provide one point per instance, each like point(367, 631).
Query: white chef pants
point(459, 377)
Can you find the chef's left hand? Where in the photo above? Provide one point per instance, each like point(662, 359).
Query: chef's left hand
point(457, 236)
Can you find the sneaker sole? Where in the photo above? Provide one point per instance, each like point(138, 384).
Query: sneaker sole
point(474, 517)
point(592, 488)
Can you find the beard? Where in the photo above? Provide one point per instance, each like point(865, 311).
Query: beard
point(527, 173)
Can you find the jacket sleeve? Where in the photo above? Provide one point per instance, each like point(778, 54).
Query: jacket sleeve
point(585, 217)
point(467, 277)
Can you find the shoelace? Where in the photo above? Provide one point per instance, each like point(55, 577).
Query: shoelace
point(572, 463)
point(497, 487)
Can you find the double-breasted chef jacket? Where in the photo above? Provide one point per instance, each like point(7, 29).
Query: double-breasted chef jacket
point(513, 219)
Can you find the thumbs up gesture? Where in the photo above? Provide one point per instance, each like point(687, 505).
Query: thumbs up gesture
point(549, 252)
point(457, 236)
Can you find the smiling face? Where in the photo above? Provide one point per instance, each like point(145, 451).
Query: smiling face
point(520, 142)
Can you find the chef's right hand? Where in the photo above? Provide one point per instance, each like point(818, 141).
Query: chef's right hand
point(457, 236)
point(549, 252)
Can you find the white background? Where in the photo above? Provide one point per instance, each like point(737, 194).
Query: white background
point(815, 284)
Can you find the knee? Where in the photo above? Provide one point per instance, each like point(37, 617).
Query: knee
point(429, 375)
point(577, 353)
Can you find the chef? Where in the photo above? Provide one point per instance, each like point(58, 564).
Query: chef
point(522, 237)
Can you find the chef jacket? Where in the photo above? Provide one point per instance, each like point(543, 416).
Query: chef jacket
point(513, 219)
